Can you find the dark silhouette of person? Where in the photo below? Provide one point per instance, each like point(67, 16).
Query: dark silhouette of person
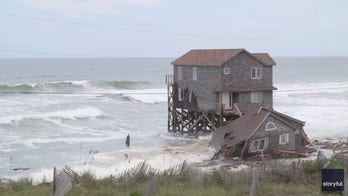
point(128, 140)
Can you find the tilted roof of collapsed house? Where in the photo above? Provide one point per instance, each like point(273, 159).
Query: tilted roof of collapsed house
point(217, 57)
point(244, 127)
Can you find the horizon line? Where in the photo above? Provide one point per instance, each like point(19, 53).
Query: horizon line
point(143, 57)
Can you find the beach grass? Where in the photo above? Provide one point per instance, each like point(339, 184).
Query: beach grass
point(182, 180)
point(169, 185)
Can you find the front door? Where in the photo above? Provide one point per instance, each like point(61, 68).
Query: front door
point(227, 100)
point(235, 97)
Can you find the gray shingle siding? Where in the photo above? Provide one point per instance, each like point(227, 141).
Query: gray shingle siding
point(211, 77)
point(207, 79)
point(273, 135)
point(241, 72)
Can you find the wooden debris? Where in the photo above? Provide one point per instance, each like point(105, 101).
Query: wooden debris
point(256, 158)
point(288, 154)
point(336, 146)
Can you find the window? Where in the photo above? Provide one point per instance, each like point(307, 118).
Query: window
point(284, 139)
point(255, 146)
point(194, 73)
point(180, 94)
point(230, 100)
point(259, 145)
point(256, 73)
point(190, 96)
point(179, 73)
point(227, 71)
point(270, 126)
point(256, 97)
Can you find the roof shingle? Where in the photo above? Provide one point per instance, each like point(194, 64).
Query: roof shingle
point(217, 57)
point(265, 58)
point(244, 127)
point(239, 130)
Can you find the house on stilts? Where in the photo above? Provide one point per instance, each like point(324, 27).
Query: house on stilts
point(230, 91)
point(210, 87)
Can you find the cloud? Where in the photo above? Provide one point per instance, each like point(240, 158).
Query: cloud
point(87, 7)
point(299, 14)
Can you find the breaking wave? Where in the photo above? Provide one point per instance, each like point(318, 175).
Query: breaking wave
point(71, 86)
point(47, 87)
point(80, 113)
point(26, 87)
point(127, 84)
point(148, 96)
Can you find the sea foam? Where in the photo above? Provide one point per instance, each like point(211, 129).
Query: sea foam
point(106, 164)
point(85, 112)
point(323, 106)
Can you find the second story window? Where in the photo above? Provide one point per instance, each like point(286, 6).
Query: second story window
point(179, 73)
point(194, 73)
point(256, 73)
point(227, 71)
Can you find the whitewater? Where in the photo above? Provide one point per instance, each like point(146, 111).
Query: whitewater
point(78, 112)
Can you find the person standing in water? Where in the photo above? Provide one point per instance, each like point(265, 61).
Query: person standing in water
point(128, 140)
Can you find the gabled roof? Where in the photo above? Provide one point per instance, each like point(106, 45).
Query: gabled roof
point(213, 57)
point(217, 57)
point(285, 116)
point(244, 127)
point(265, 58)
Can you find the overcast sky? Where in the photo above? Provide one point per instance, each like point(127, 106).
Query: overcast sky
point(169, 28)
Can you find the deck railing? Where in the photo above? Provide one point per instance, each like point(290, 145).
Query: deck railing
point(236, 109)
point(220, 109)
point(169, 79)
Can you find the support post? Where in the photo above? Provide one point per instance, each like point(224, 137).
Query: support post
point(186, 120)
point(255, 182)
point(54, 182)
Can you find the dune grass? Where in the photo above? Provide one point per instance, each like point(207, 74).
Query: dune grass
point(182, 180)
point(169, 185)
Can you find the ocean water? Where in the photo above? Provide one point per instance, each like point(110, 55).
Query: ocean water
point(78, 112)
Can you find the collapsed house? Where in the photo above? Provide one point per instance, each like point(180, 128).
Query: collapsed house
point(262, 132)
